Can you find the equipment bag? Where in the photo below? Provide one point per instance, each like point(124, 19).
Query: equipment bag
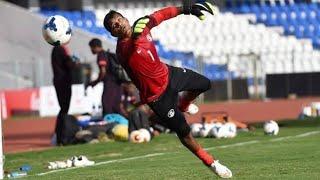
point(69, 129)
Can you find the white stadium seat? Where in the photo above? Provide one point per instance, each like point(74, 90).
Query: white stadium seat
point(228, 34)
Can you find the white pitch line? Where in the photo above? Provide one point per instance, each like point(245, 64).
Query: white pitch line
point(132, 158)
point(160, 154)
point(104, 162)
point(281, 138)
point(233, 145)
point(144, 156)
point(308, 134)
point(296, 136)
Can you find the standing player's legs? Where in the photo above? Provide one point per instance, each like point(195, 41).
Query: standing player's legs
point(106, 101)
point(63, 92)
point(111, 98)
point(117, 98)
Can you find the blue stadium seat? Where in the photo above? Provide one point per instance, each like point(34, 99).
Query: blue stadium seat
point(245, 9)
point(300, 19)
point(254, 8)
point(308, 33)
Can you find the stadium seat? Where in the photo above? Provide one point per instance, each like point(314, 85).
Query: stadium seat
point(227, 35)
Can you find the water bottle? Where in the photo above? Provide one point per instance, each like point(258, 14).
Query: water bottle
point(17, 174)
point(54, 139)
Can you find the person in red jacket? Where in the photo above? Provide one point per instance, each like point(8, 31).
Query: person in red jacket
point(158, 83)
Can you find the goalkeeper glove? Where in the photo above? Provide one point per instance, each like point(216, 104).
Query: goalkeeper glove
point(196, 9)
point(139, 25)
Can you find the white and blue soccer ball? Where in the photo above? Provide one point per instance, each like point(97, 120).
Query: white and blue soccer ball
point(56, 30)
point(218, 131)
point(206, 129)
point(230, 130)
point(271, 128)
point(227, 130)
point(195, 129)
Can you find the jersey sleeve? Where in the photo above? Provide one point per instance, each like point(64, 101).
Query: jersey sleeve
point(161, 15)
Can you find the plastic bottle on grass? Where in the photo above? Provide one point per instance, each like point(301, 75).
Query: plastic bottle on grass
point(17, 174)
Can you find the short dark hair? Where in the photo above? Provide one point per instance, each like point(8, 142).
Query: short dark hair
point(111, 14)
point(95, 42)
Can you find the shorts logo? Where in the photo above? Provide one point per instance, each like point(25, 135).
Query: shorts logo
point(171, 113)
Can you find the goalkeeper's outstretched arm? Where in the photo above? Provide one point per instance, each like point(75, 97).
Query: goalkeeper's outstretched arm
point(148, 22)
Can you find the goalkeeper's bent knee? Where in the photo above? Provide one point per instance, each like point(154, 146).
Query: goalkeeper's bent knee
point(204, 84)
point(207, 84)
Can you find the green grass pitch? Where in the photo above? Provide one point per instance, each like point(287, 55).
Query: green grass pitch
point(293, 154)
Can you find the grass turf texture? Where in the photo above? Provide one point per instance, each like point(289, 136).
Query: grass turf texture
point(291, 158)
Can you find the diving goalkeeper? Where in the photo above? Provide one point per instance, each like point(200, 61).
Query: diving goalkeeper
point(159, 83)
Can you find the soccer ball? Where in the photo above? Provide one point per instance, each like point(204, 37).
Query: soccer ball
point(140, 136)
point(205, 130)
point(135, 137)
point(145, 134)
point(195, 129)
point(56, 30)
point(217, 131)
point(271, 128)
point(231, 130)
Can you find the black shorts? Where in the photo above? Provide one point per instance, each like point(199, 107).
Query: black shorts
point(166, 106)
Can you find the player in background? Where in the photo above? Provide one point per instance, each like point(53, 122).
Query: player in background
point(62, 65)
point(112, 90)
point(159, 83)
